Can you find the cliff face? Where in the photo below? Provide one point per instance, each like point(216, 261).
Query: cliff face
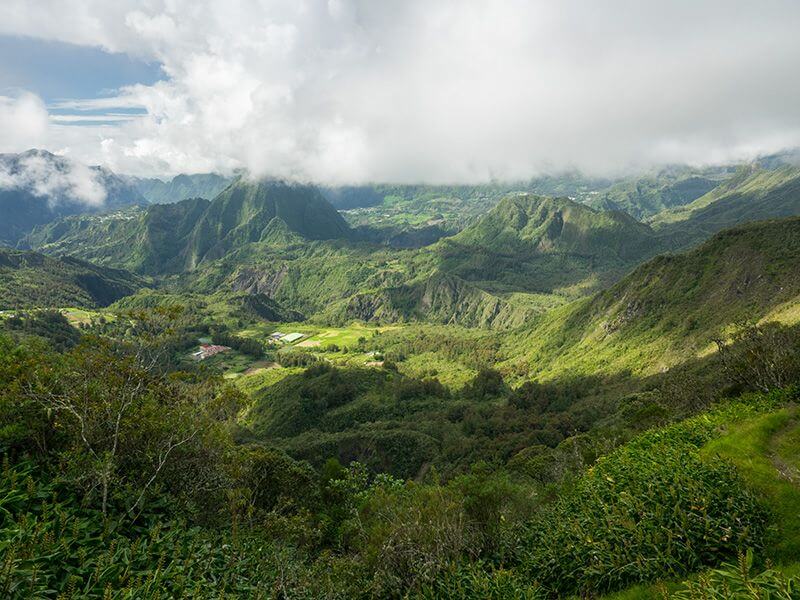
point(259, 281)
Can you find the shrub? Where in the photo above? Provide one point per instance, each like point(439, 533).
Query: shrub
point(737, 580)
point(651, 508)
point(413, 535)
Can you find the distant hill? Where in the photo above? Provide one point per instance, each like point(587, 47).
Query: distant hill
point(668, 309)
point(170, 238)
point(32, 280)
point(526, 223)
point(181, 187)
point(546, 245)
point(752, 194)
point(37, 187)
point(244, 212)
point(289, 244)
point(643, 197)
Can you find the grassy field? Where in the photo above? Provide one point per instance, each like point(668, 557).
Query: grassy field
point(264, 378)
point(341, 336)
point(230, 363)
point(430, 364)
point(76, 316)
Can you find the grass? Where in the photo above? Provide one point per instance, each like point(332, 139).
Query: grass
point(79, 316)
point(257, 381)
point(751, 446)
point(787, 446)
point(430, 364)
point(231, 363)
point(341, 336)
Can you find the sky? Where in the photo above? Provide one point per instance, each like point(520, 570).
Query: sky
point(435, 91)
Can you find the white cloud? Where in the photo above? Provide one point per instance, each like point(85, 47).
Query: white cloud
point(56, 178)
point(434, 90)
point(23, 122)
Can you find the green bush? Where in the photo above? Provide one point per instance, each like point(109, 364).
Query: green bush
point(737, 580)
point(651, 509)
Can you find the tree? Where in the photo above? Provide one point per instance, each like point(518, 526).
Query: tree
point(762, 357)
point(125, 422)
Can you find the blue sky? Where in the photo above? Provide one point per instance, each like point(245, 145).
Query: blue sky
point(58, 71)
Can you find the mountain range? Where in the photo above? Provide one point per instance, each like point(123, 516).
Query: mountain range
point(180, 187)
point(528, 254)
point(37, 187)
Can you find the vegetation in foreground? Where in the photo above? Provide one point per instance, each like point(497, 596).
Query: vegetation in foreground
point(128, 475)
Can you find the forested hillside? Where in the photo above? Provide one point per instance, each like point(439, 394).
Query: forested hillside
point(32, 280)
point(669, 309)
point(668, 188)
point(435, 421)
point(169, 238)
point(752, 194)
point(420, 300)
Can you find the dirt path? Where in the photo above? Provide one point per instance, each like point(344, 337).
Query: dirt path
point(787, 471)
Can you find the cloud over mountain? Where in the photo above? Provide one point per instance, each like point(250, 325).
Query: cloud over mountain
point(57, 179)
point(23, 121)
point(348, 90)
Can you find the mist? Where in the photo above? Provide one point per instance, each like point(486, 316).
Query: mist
point(58, 180)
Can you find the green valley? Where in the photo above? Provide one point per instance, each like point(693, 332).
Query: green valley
point(440, 392)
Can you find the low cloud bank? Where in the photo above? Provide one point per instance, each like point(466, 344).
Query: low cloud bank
point(348, 91)
point(60, 180)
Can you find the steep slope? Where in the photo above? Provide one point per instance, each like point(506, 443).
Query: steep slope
point(243, 212)
point(171, 238)
point(150, 240)
point(752, 194)
point(642, 197)
point(37, 187)
point(669, 309)
point(524, 223)
point(546, 245)
point(181, 187)
point(32, 280)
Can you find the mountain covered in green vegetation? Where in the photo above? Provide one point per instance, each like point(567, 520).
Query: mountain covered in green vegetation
point(170, 238)
point(669, 309)
point(181, 187)
point(547, 245)
point(670, 187)
point(752, 194)
point(33, 280)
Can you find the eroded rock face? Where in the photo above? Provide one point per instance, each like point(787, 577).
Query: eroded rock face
point(632, 310)
point(452, 300)
point(259, 281)
point(371, 307)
